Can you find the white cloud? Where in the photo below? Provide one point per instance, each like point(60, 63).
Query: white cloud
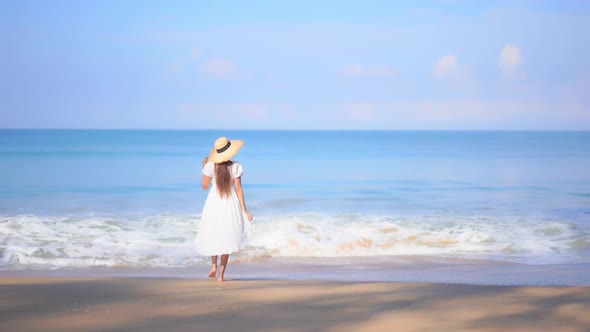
point(245, 115)
point(361, 111)
point(567, 113)
point(228, 111)
point(220, 69)
point(362, 71)
point(485, 114)
point(457, 76)
point(510, 62)
point(259, 111)
point(448, 67)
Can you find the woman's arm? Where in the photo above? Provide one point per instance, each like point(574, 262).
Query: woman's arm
point(240, 192)
point(205, 180)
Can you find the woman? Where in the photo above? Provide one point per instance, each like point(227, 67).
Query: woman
point(223, 228)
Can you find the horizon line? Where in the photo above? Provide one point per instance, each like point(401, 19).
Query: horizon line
point(314, 129)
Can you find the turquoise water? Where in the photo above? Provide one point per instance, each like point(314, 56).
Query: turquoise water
point(133, 197)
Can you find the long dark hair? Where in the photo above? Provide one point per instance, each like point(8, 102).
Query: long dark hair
point(223, 178)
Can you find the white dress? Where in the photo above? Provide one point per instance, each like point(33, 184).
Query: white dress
point(224, 227)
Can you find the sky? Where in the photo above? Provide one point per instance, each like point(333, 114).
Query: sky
point(364, 65)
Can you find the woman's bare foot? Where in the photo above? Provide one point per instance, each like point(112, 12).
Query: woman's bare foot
point(224, 259)
point(212, 273)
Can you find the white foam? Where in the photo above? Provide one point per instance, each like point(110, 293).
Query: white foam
point(337, 236)
point(167, 240)
point(98, 241)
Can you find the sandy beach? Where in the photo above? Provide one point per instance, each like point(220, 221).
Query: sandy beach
point(167, 304)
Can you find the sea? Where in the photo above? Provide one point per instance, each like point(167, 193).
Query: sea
point(484, 207)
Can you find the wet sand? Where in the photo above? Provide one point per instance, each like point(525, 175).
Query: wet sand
point(168, 304)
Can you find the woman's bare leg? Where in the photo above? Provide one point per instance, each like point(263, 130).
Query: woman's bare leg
point(222, 266)
point(213, 267)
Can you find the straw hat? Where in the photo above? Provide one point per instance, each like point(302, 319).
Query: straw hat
point(224, 149)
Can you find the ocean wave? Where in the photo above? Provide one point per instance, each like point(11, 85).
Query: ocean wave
point(167, 240)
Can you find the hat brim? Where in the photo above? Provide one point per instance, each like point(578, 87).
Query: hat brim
point(226, 155)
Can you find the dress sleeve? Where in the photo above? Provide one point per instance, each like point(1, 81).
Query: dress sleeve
point(237, 170)
point(209, 169)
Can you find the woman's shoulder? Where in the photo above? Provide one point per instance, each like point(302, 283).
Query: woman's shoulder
point(208, 168)
point(209, 164)
point(237, 169)
point(236, 165)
